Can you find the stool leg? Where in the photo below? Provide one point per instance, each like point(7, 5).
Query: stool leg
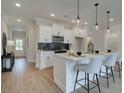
point(93, 77)
point(107, 76)
point(119, 69)
point(76, 79)
point(100, 72)
point(112, 74)
point(88, 82)
point(85, 78)
point(98, 83)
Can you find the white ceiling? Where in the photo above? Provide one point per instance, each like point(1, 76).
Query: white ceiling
point(31, 9)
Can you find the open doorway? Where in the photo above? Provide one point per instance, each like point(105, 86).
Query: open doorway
point(19, 39)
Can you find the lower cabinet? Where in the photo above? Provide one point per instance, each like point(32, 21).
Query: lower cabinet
point(44, 59)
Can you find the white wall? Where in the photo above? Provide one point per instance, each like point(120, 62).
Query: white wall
point(31, 43)
point(103, 40)
point(20, 35)
point(4, 28)
point(98, 40)
point(113, 39)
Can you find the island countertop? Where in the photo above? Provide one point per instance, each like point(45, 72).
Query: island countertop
point(76, 58)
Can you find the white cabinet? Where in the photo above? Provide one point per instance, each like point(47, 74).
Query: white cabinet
point(58, 30)
point(67, 36)
point(48, 58)
point(45, 34)
point(44, 59)
point(79, 32)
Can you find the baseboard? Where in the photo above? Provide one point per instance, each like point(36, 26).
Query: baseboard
point(59, 84)
point(43, 68)
point(32, 61)
point(20, 56)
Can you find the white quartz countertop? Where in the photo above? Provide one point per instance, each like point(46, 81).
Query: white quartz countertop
point(76, 58)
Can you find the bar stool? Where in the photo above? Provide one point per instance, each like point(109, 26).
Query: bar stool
point(93, 67)
point(119, 64)
point(109, 63)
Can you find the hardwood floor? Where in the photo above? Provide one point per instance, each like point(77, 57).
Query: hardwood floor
point(25, 78)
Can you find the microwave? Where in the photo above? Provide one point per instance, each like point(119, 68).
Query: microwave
point(58, 39)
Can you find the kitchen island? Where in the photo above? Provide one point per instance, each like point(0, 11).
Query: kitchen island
point(64, 73)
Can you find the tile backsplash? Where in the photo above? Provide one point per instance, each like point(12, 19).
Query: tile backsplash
point(53, 46)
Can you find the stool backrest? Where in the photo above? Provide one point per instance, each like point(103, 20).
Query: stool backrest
point(110, 59)
point(83, 61)
point(95, 64)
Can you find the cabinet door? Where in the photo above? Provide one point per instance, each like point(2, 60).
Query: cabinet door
point(48, 56)
point(80, 33)
point(45, 34)
point(67, 36)
point(42, 61)
point(58, 30)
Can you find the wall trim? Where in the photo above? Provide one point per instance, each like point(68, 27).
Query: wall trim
point(30, 60)
point(43, 68)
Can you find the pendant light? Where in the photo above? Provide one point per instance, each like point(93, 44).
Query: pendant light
point(78, 17)
point(96, 25)
point(108, 28)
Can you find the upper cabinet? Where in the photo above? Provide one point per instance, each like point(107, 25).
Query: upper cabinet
point(58, 30)
point(79, 32)
point(45, 34)
point(67, 36)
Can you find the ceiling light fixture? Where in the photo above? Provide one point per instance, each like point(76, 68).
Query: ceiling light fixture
point(18, 4)
point(19, 20)
point(108, 28)
point(96, 25)
point(52, 15)
point(78, 17)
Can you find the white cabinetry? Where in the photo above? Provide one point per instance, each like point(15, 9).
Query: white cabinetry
point(58, 30)
point(45, 34)
point(79, 32)
point(67, 36)
point(45, 59)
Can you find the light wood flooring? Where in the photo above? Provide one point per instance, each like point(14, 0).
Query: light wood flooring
point(25, 78)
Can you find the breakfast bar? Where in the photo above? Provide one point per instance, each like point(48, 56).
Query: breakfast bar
point(64, 73)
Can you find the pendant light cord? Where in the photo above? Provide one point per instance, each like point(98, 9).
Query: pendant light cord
point(96, 16)
point(96, 12)
point(108, 19)
point(78, 9)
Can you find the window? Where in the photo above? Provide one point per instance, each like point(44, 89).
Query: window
point(18, 44)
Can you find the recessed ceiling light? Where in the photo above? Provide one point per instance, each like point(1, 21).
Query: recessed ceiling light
point(52, 15)
point(112, 19)
point(19, 20)
point(18, 4)
point(73, 21)
point(85, 23)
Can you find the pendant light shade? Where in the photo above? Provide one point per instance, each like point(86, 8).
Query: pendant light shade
point(108, 28)
point(96, 25)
